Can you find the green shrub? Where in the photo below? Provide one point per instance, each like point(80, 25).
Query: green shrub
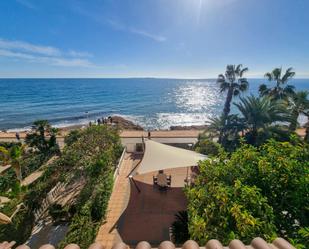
point(72, 137)
point(207, 147)
point(7, 181)
point(254, 192)
point(20, 229)
point(92, 158)
point(57, 212)
point(94, 155)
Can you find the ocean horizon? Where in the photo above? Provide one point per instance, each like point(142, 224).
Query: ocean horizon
point(153, 103)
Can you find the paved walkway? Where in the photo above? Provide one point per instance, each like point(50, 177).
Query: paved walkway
point(108, 234)
point(161, 133)
point(4, 199)
point(38, 173)
point(32, 178)
point(4, 168)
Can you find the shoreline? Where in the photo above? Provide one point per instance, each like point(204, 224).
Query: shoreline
point(65, 130)
point(123, 122)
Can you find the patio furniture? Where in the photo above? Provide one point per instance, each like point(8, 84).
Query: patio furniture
point(155, 180)
point(169, 181)
point(162, 180)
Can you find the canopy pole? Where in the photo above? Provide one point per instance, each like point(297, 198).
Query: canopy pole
point(187, 180)
point(135, 184)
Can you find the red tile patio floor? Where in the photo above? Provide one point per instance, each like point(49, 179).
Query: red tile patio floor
point(147, 215)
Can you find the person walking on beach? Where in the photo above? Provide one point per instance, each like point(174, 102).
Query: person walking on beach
point(149, 134)
point(17, 136)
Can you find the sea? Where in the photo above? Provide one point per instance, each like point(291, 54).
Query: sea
point(150, 102)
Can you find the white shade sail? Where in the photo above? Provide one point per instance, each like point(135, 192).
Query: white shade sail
point(159, 156)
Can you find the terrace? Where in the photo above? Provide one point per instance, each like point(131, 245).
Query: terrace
point(138, 208)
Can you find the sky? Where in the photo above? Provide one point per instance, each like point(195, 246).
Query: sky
point(152, 38)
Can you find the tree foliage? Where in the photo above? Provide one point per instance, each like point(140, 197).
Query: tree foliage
point(12, 156)
point(254, 192)
point(72, 137)
point(281, 90)
point(233, 83)
point(299, 104)
point(205, 145)
point(43, 137)
point(227, 129)
point(92, 156)
point(261, 118)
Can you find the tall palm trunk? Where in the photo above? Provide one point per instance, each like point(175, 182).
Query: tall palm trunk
point(227, 104)
point(226, 111)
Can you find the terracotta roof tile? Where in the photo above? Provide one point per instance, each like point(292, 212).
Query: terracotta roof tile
point(257, 243)
point(72, 246)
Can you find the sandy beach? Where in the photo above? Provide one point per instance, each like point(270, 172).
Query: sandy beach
point(129, 133)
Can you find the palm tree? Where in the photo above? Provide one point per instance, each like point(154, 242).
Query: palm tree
point(12, 156)
point(42, 137)
point(300, 105)
point(262, 115)
point(234, 83)
point(281, 90)
point(227, 130)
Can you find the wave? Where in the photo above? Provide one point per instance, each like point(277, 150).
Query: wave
point(159, 121)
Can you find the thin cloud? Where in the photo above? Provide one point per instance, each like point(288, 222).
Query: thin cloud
point(117, 25)
point(120, 26)
point(74, 53)
point(27, 47)
point(21, 50)
point(68, 62)
point(154, 37)
point(7, 53)
point(27, 4)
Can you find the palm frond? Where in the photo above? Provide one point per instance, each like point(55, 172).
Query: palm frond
point(268, 76)
point(244, 70)
point(243, 84)
point(289, 74)
point(289, 90)
point(236, 92)
point(224, 86)
point(277, 73)
point(263, 90)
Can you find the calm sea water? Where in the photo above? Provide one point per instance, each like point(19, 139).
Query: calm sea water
point(153, 103)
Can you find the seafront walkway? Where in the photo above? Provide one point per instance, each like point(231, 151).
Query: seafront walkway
point(161, 133)
point(108, 234)
point(128, 136)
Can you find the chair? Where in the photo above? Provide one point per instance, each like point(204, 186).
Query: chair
point(155, 180)
point(169, 181)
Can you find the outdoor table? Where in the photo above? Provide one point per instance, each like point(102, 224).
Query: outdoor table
point(162, 180)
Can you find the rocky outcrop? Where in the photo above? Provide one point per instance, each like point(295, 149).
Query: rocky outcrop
point(125, 124)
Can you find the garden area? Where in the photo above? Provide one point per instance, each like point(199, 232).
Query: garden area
point(256, 182)
point(89, 158)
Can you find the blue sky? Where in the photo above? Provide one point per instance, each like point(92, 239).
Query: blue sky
point(151, 38)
